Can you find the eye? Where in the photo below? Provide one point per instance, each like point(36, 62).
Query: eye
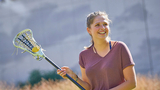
point(105, 24)
point(97, 25)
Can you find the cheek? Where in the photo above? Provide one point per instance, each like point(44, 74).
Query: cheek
point(108, 30)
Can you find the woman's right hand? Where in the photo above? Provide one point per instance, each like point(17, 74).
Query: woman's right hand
point(66, 70)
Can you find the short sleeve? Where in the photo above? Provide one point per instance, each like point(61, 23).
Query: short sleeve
point(126, 56)
point(81, 62)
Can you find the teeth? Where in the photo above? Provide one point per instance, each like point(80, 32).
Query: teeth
point(102, 32)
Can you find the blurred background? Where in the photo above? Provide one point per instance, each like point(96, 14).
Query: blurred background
point(60, 27)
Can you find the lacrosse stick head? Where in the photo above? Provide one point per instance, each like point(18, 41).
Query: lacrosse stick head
point(25, 41)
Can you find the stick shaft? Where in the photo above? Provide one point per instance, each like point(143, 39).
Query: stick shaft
point(57, 67)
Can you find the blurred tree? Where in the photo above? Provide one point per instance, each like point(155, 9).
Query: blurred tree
point(35, 77)
point(51, 75)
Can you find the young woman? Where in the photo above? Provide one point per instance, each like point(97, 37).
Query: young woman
point(105, 64)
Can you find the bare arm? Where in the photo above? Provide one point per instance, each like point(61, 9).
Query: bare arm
point(130, 77)
point(84, 82)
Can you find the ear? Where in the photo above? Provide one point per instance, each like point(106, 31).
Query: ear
point(89, 30)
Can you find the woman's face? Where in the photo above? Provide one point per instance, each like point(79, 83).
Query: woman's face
point(99, 29)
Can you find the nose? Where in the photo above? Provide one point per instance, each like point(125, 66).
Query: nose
point(102, 27)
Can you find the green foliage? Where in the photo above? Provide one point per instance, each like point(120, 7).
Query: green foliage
point(37, 75)
point(51, 75)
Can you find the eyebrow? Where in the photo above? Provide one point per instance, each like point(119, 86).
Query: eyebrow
point(103, 22)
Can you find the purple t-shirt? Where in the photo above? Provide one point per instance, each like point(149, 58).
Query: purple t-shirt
point(106, 72)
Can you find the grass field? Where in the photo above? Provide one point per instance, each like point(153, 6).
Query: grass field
point(143, 83)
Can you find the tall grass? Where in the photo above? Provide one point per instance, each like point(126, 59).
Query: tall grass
point(52, 85)
point(148, 82)
point(5, 86)
point(143, 83)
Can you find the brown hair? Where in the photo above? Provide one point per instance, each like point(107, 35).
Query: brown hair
point(90, 19)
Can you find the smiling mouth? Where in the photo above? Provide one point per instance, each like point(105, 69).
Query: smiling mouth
point(102, 32)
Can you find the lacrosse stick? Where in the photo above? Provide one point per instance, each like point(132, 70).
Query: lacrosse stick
point(25, 41)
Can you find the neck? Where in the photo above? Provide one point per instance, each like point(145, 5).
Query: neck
point(101, 45)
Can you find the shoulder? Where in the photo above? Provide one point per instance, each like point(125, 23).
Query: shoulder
point(120, 43)
point(85, 51)
point(117, 42)
point(123, 46)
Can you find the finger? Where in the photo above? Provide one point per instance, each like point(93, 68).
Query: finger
point(63, 74)
point(64, 67)
point(59, 71)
